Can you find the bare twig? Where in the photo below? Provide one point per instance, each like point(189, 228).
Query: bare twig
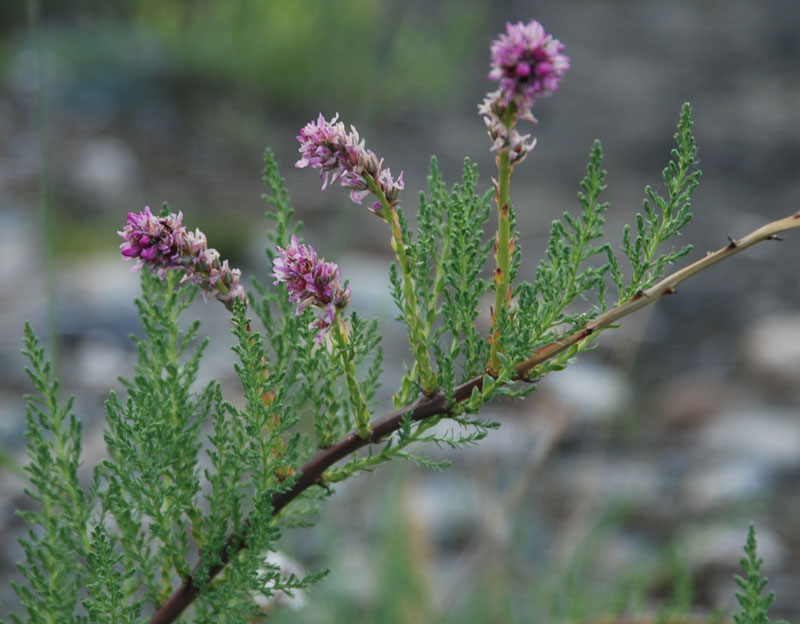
point(312, 471)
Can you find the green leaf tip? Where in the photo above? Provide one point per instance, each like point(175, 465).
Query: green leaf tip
point(753, 606)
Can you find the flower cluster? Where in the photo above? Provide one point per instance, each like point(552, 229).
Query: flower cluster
point(157, 242)
point(527, 62)
point(163, 243)
point(311, 282)
point(341, 156)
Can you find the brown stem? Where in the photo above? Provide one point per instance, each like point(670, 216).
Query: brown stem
point(311, 472)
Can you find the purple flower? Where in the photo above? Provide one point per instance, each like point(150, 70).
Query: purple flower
point(311, 282)
point(341, 156)
point(527, 62)
point(162, 243)
point(155, 241)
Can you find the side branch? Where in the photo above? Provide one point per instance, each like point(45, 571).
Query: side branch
point(312, 471)
point(664, 287)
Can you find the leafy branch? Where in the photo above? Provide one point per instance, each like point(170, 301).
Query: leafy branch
point(55, 551)
point(664, 217)
point(312, 472)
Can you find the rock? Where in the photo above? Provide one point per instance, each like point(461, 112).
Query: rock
point(621, 552)
point(369, 278)
point(106, 165)
point(691, 398)
point(12, 425)
point(451, 508)
point(593, 476)
point(766, 435)
point(595, 392)
point(354, 574)
point(96, 364)
point(731, 482)
point(771, 347)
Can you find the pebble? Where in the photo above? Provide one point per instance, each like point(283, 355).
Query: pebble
point(729, 482)
point(450, 507)
point(769, 436)
point(596, 392)
point(106, 165)
point(691, 398)
point(771, 347)
point(594, 476)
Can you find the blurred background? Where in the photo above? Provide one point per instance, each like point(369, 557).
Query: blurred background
point(624, 484)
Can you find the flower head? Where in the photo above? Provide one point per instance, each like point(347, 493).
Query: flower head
point(311, 282)
point(341, 155)
point(527, 62)
point(156, 241)
point(163, 243)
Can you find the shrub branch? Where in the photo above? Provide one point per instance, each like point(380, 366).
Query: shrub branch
point(313, 471)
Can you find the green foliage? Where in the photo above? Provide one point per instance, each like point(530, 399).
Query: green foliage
point(108, 602)
point(157, 507)
point(58, 535)
point(753, 606)
point(577, 262)
point(663, 217)
point(275, 48)
point(193, 477)
point(448, 258)
point(562, 276)
point(464, 286)
point(279, 200)
point(316, 371)
point(153, 440)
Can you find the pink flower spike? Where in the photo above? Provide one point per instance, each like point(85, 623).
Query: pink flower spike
point(162, 243)
point(341, 156)
point(311, 282)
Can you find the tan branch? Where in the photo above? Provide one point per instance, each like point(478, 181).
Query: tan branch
point(665, 287)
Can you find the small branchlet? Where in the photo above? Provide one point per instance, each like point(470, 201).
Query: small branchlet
point(753, 606)
point(58, 540)
point(664, 217)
